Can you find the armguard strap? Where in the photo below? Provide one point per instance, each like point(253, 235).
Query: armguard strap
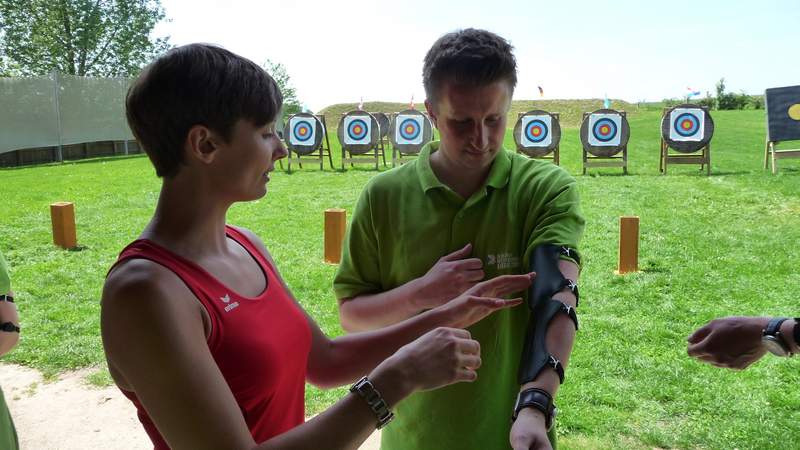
point(548, 281)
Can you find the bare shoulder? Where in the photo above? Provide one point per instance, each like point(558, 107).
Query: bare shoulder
point(142, 299)
point(142, 282)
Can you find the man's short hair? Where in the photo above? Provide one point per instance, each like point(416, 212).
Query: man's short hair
point(472, 57)
point(196, 84)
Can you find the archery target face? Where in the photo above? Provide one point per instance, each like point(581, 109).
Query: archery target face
point(301, 131)
point(687, 124)
point(605, 130)
point(536, 131)
point(357, 130)
point(409, 129)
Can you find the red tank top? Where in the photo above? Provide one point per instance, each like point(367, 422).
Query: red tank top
point(261, 344)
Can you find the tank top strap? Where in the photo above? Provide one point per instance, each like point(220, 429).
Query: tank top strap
point(251, 248)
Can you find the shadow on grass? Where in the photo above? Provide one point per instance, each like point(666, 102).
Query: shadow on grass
point(79, 248)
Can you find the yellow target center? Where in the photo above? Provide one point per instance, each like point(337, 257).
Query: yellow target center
point(794, 111)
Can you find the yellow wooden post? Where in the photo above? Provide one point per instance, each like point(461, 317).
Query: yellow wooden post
point(62, 215)
point(335, 226)
point(628, 244)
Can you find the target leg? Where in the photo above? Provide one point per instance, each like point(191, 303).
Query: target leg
point(625, 160)
point(766, 153)
point(774, 160)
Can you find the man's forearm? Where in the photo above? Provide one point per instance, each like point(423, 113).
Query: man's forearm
point(560, 339)
point(373, 311)
point(560, 335)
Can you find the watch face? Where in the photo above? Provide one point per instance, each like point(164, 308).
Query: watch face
point(774, 345)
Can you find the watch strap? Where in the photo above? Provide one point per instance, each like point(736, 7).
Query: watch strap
point(772, 336)
point(774, 325)
point(6, 298)
point(366, 390)
point(796, 331)
point(9, 327)
point(539, 399)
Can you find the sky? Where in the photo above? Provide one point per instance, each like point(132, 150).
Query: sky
point(343, 51)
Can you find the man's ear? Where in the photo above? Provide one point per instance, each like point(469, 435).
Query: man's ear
point(431, 113)
point(201, 144)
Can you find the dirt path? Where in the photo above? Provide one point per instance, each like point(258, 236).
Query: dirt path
point(70, 414)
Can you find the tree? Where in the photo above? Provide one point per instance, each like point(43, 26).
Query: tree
point(80, 37)
point(291, 104)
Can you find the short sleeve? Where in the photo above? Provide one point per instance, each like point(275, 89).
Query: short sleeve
point(559, 219)
point(359, 269)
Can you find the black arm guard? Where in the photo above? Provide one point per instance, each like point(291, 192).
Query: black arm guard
point(548, 281)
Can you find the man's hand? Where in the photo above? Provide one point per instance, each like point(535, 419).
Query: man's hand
point(448, 278)
point(529, 431)
point(730, 342)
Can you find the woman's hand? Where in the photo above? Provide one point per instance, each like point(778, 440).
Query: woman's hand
point(484, 298)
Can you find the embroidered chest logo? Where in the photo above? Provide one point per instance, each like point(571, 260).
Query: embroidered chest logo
point(228, 305)
point(502, 261)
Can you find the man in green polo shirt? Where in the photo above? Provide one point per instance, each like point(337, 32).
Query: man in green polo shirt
point(464, 211)
point(8, 339)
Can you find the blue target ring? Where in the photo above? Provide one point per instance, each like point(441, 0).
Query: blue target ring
point(357, 129)
point(536, 130)
point(302, 131)
point(686, 124)
point(604, 130)
point(409, 129)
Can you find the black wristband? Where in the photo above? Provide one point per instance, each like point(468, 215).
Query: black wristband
point(796, 331)
point(9, 327)
point(6, 298)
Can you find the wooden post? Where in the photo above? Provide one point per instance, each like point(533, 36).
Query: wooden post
point(628, 244)
point(335, 226)
point(62, 215)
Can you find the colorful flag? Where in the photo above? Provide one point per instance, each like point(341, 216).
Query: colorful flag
point(692, 92)
point(606, 102)
point(541, 91)
point(411, 105)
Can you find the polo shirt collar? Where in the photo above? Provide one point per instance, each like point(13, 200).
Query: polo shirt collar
point(498, 174)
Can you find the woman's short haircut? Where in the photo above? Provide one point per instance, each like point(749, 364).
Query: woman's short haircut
point(196, 84)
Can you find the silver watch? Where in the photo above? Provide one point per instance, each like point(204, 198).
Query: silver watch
point(366, 390)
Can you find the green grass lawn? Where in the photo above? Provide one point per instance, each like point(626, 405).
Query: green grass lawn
point(710, 246)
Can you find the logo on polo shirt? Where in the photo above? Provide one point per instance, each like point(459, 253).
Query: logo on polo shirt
point(228, 305)
point(502, 261)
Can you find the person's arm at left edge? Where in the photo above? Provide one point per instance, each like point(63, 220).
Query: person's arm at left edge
point(8, 311)
point(8, 314)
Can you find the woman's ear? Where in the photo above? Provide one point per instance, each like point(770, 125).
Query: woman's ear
point(201, 144)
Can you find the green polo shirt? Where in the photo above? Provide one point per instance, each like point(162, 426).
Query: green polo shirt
point(8, 435)
point(404, 221)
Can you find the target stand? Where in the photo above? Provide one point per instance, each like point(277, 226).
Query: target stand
point(359, 135)
point(385, 124)
point(537, 134)
point(687, 129)
point(783, 123)
point(410, 131)
point(306, 139)
point(604, 134)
